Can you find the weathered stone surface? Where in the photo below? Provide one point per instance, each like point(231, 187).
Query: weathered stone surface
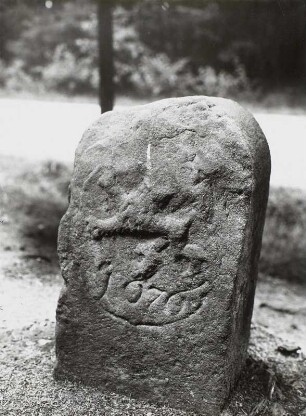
point(159, 250)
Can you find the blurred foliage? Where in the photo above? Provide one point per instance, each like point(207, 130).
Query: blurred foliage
point(162, 48)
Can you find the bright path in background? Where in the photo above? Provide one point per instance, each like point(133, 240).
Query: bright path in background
point(41, 130)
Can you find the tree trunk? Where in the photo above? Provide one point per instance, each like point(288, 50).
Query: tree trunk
point(106, 58)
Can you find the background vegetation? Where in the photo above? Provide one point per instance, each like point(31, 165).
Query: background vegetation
point(162, 48)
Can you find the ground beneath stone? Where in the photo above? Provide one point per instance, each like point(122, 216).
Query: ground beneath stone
point(33, 198)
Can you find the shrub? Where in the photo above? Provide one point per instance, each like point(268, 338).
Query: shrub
point(158, 76)
point(65, 58)
point(14, 77)
point(69, 74)
point(222, 84)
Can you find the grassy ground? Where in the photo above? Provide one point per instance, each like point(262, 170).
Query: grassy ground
point(33, 199)
point(284, 241)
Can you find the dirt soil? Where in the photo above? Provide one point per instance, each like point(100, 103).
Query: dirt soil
point(32, 201)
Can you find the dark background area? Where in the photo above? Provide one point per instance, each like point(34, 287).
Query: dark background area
point(237, 48)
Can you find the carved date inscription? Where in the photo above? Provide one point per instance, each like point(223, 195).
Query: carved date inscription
point(152, 263)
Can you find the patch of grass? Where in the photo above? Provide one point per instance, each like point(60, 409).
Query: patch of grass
point(269, 382)
point(33, 200)
point(27, 386)
point(283, 251)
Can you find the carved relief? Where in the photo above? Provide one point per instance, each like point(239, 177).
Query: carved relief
point(150, 269)
point(159, 250)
